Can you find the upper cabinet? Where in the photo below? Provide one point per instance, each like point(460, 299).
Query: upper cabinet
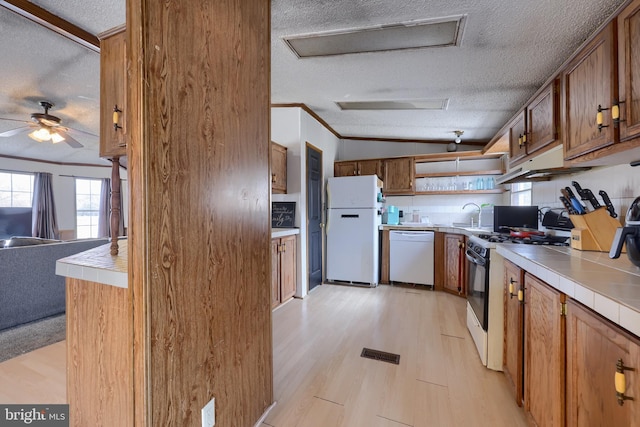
point(543, 119)
point(358, 167)
point(399, 176)
point(517, 139)
point(590, 88)
point(629, 71)
point(113, 93)
point(278, 169)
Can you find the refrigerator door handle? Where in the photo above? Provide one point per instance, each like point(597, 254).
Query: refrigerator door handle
point(349, 216)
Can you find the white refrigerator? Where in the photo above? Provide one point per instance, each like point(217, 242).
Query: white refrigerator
point(354, 216)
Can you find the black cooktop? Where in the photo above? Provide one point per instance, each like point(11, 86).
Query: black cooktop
point(545, 239)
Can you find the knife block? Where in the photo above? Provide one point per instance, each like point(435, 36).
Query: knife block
point(593, 231)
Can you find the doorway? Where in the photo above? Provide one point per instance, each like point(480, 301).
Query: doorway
point(314, 215)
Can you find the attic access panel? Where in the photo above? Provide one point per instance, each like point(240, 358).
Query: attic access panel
point(405, 35)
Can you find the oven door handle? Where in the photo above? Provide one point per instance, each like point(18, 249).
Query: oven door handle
point(471, 256)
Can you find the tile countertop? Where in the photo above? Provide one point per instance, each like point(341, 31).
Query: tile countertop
point(435, 227)
point(610, 287)
point(282, 232)
point(97, 265)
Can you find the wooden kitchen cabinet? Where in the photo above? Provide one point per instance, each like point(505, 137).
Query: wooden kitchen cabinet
point(278, 168)
point(517, 139)
point(544, 353)
point(590, 83)
point(399, 176)
point(594, 347)
point(348, 168)
point(513, 357)
point(629, 71)
point(455, 264)
point(113, 93)
point(543, 119)
point(358, 167)
point(283, 269)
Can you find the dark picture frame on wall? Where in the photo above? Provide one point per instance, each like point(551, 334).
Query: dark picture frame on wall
point(283, 214)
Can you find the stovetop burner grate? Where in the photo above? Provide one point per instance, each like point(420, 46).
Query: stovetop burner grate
point(530, 240)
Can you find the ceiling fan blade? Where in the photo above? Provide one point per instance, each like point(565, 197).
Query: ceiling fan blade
point(69, 140)
point(15, 131)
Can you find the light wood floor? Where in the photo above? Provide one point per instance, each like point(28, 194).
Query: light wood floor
point(320, 380)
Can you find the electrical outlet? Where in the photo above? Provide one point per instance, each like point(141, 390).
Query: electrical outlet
point(209, 414)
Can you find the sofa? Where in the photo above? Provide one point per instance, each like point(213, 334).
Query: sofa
point(29, 287)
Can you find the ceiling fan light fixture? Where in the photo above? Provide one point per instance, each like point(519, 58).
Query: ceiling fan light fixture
point(56, 137)
point(40, 135)
point(458, 133)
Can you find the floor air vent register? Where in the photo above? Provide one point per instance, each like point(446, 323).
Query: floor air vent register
point(380, 355)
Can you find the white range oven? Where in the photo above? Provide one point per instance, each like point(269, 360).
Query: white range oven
point(485, 300)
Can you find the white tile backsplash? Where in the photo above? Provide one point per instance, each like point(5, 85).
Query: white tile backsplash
point(622, 184)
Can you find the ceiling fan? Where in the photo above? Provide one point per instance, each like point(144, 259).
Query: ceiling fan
point(45, 127)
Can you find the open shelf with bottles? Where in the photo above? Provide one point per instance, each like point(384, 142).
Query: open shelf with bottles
point(468, 172)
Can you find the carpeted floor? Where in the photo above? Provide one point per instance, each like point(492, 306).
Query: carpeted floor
point(31, 336)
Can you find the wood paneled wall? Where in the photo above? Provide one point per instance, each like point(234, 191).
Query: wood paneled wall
point(199, 220)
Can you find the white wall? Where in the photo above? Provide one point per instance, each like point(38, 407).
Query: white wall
point(64, 185)
point(622, 183)
point(294, 128)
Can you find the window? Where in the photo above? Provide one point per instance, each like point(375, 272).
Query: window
point(87, 207)
point(521, 194)
point(16, 190)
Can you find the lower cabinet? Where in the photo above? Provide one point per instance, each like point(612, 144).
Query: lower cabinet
point(544, 353)
point(283, 269)
point(455, 276)
point(599, 356)
point(513, 357)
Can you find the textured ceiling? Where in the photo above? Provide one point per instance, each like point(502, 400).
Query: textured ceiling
point(508, 49)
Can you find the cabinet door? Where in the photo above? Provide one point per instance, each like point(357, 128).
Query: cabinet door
point(287, 267)
point(544, 353)
point(275, 272)
point(513, 330)
point(370, 167)
point(345, 168)
point(454, 264)
point(113, 85)
point(517, 140)
point(590, 81)
point(594, 346)
point(542, 119)
point(629, 70)
point(399, 176)
point(278, 169)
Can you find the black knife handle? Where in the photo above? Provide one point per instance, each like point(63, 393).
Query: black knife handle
point(579, 207)
point(567, 205)
point(591, 198)
point(608, 204)
point(579, 190)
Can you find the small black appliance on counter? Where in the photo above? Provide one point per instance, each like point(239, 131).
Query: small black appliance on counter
point(629, 234)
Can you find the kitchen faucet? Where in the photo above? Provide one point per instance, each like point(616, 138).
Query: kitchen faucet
point(479, 212)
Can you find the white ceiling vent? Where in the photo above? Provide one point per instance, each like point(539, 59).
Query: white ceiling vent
point(410, 104)
point(405, 35)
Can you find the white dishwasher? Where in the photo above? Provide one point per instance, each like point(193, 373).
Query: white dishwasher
point(411, 257)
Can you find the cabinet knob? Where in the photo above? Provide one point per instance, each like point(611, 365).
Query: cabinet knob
point(621, 382)
point(116, 118)
point(615, 113)
point(600, 118)
point(511, 287)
